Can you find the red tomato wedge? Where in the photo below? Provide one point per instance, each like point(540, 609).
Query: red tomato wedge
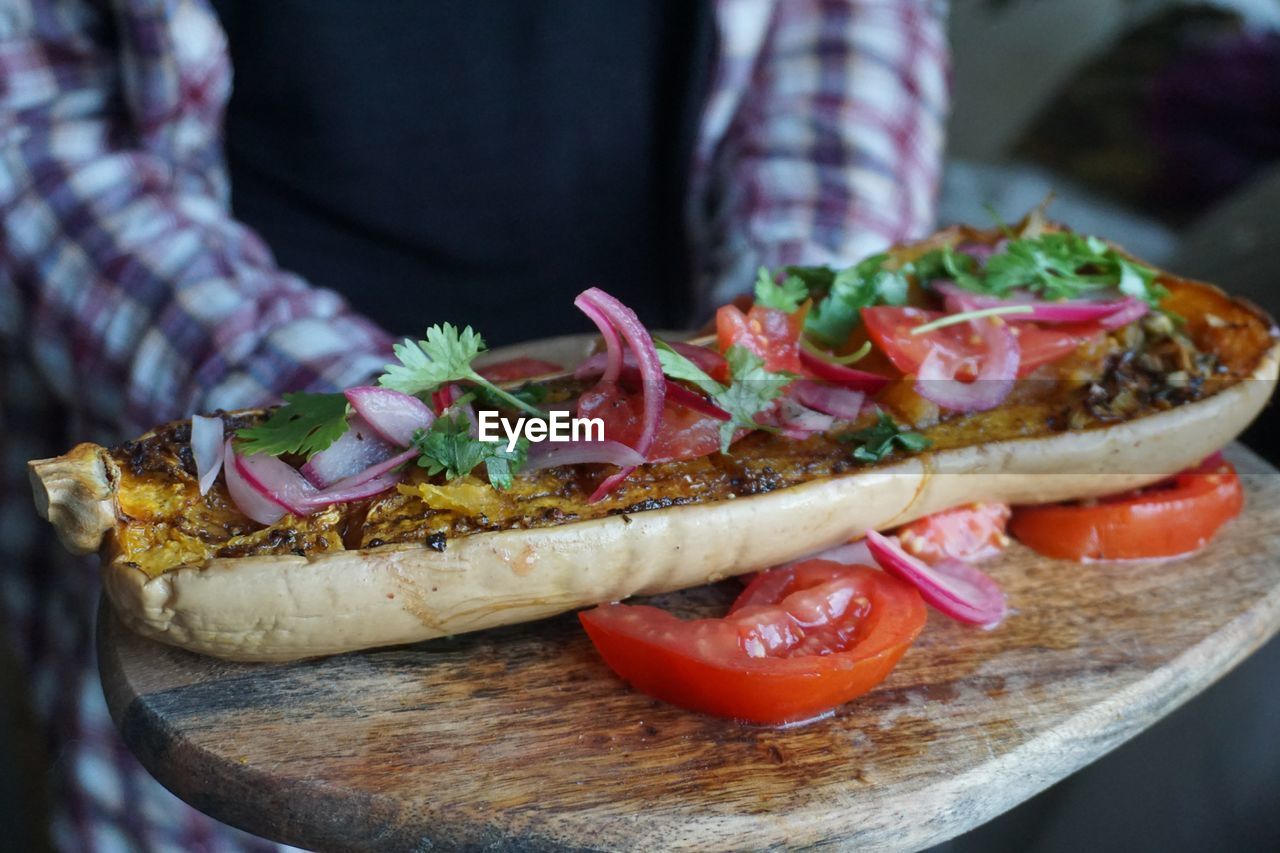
point(890, 330)
point(799, 641)
point(684, 433)
point(771, 334)
point(518, 368)
point(968, 533)
point(1173, 517)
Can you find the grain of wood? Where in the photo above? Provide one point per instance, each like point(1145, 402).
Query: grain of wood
point(521, 737)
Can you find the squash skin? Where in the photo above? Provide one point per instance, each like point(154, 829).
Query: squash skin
point(276, 607)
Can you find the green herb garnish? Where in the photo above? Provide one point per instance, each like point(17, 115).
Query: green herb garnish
point(305, 425)
point(445, 356)
point(839, 297)
point(448, 446)
point(751, 387)
point(1053, 266)
point(786, 296)
point(879, 441)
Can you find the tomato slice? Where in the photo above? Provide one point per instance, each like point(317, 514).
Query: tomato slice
point(770, 333)
point(799, 641)
point(518, 368)
point(890, 329)
point(683, 433)
point(1176, 516)
point(966, 533)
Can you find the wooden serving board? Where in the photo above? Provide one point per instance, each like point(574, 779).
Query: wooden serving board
point(521, 737)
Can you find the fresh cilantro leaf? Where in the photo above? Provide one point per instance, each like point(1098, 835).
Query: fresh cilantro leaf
point(501, 463)
point(786, 296)
point(1139, 281)
point(879, 440)
point(1058, 265)
point(751, 388)
point(447, 446)
point(305, 425)
point(816, 280)
point(867, 283)
point(445, 356)
point(677, 366)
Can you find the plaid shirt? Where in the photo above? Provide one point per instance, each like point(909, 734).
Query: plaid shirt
point(134, 297)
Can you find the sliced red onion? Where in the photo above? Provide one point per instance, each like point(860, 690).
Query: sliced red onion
point(273, 479)
point(801, 420)
point(850, 554)
point(612, 355)
point(372, 481)
point(355, 451)
point(794, 420)
point(712, 363)
point(847, 377)
point(1118, 312)
point(264, 487)
point(692, 400)
point(549, 454)
point(469, 412)
point(1135, 309)
point(653, 386)
point(843, 403)
point(956, 589)
point(675, 392)
point(393, 416)
point(250, 496)
point(207, 446)
point(936, 379)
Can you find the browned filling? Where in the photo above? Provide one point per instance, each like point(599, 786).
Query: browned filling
point(1148, 367)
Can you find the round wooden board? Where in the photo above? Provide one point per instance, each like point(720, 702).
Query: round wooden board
point(521, 737)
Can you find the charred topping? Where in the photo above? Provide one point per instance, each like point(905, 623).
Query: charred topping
point(655, 503)
point(1154, 367)
point(1158, 368)
point(166, 451)
point(278, 540)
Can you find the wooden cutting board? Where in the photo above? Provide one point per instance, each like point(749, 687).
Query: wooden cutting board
point(521, 737)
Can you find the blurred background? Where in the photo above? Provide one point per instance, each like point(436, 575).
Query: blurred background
point(1157, 124)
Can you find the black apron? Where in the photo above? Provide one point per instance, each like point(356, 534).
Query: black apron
point(475, 161)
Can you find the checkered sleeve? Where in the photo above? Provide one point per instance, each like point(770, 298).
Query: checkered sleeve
point(833, 149)
point(141, 298)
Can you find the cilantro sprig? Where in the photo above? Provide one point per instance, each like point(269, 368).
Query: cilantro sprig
point(840, 296)
point(1054, 265)
point(445, 356)
point(750, 390)
point(878, 441)
point(447, 446)
point(304, 425)
point(785, 296)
